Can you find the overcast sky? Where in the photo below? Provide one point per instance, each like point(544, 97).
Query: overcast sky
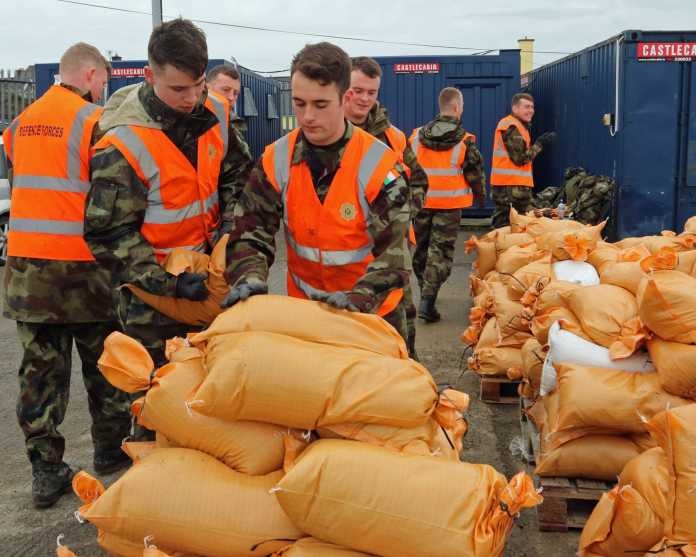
point(33, 31)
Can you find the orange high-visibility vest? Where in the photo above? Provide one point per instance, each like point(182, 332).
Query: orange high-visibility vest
point(504, 172)
point(329, 246)
point(48, 146)
point(447, 187)
point(397, 141)
point(183, 209)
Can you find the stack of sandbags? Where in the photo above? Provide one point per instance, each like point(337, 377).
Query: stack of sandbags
point(228, 410)
point(651, 510)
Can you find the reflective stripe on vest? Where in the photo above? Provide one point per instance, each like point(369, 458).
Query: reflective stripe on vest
point(504, 172)
point(220, 112)
point(329, 246)
point(49, 188)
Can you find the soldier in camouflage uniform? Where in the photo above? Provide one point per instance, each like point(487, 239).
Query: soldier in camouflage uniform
point(226, 81)
point(58, 300)
point(517, 149)
point(320, 78)
point(118, 199)
point(437, 229)
point(363, 110)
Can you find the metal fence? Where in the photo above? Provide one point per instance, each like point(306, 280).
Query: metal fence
point(17, 91)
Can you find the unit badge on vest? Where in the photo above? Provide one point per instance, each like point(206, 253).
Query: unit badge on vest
point(212, 151)
point(348, 211)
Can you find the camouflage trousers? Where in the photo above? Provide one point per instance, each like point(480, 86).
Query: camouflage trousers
point(397, 319)
point(436, 234)
point(519, 197)
point(44, 387)
point(148, 326)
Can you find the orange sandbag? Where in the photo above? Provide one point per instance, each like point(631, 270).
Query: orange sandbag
point(609, 400)
point(655, 243)
point(486, 254)
point(309, 547)
point(250, 447)
point(533, 356)
point(675, 432)
point(518, 221)
point(667, 305)
point(541, 324)
point(284, 380)
point(550, 295)
point(120, 547)
point(503, 242)
point(517, 256)
point(690, 225)
point(571, 243)
point(667, 548)
point(649, 474)
point(676, 366)
point(529, 275)
point(488, 359)
point(310, 321)
point(377, 501)
point(613, 323)
point(538, 227)
point(440, 436)
point(621, 522)
point(512, 319)
point(211, 511)
point(626, 274)
point(188, 311)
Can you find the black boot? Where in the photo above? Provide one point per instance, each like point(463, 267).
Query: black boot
point(110, 461)
point(50, 482)
point(427, 311)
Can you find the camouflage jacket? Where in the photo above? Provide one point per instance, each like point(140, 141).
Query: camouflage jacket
point(443, 133)
point(376, 124)
point(517, 147)
point(117, 200)
point(255, 220)
point(50, 291)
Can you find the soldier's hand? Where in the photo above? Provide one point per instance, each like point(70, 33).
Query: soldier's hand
point(546, 139)
point(244, 290)
point(192, 286)
point(339, 300)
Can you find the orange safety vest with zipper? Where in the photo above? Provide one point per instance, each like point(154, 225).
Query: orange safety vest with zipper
point(504, 172)
point(48, 145)
point(183, 209)
point(447, 186)
point(328, 244)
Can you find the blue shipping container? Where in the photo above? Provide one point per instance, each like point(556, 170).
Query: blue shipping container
point(411, 85)
point(258, 103)
point(645, 84)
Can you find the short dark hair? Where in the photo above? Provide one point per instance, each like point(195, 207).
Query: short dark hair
point(367, 65)
point(324, 62)
point(517, 97)
point(181, 44)
point(224, 69)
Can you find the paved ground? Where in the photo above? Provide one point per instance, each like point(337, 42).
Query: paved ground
point(25, 532)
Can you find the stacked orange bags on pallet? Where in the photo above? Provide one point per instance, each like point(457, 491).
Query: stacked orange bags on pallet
point(240, 412)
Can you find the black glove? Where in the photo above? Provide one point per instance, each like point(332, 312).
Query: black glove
point(244, 290)
point(192, 286)
point(546, 139)
point(339, 300)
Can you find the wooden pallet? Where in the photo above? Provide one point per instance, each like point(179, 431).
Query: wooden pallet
point(568, 502)
point(530, 437)
point(499, 390)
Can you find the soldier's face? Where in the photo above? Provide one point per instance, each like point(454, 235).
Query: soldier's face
point(227, 87)
point(361, 96)
point(95, 81)
point(175, 88)
point(318, 108)
point(523, 110)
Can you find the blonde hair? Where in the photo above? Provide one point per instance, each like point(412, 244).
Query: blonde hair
point(448, 97)
point(79, 55)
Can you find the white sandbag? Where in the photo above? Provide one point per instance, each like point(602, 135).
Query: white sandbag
point(567, 348)
point(579, 272)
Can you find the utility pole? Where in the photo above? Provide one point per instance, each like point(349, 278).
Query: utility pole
point(156, 13)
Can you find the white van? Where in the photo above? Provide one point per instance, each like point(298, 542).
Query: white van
point(4, 204)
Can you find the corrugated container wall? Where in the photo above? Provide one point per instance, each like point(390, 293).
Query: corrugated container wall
point(258, 103)
point(649, 144)
point(411, 85)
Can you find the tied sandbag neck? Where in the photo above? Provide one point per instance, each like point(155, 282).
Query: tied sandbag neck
point(257, 545)
point(665, 546)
